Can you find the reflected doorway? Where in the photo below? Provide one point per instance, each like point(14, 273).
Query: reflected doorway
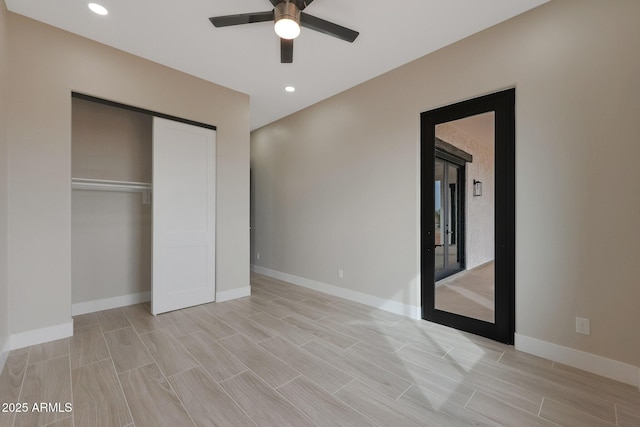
point(448, 218)
point(468, 215)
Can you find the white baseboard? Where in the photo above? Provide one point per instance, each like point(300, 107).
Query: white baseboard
point(4, 352)
point(39, 336)
point(223, 296)
point(109, 303)
point(589, 362)
point(362, 298)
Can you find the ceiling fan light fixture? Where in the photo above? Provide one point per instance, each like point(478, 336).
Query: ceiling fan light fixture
point(287, 20)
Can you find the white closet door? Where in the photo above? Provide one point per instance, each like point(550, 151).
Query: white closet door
point(183, 216)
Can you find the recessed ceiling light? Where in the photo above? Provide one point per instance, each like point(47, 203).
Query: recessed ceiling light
point(290, 89)
point(98, 9)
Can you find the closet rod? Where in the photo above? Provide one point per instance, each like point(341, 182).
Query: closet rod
point(108, 185)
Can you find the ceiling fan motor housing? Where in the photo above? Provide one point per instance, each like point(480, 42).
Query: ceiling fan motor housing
point(287, 11)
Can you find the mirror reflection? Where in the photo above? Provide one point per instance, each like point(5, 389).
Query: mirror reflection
point(464, 217)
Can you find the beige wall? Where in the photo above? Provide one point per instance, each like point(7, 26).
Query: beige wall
point(4, 303)
point(110, 231)
point(47, 64)
point(336, 185)
point(110, 143)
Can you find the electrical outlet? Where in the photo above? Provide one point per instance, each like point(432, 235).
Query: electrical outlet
point(583, 326)
point(340, 274)
point(258, 256)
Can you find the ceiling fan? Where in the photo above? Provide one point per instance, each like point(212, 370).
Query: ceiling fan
point(288, 16)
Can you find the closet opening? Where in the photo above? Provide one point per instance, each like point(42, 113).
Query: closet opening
point(143, 208)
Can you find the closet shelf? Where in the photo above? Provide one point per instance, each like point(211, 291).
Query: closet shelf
point(109, 185)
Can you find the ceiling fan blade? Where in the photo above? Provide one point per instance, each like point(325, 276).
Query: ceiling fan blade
point(243, 18)
point(327, 27)
point(286, 51)
point(302, 4)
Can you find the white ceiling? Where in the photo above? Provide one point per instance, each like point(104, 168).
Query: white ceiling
point(178, 34)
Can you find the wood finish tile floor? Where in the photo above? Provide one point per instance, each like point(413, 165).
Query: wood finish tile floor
point(469, 293)
point(287, 356)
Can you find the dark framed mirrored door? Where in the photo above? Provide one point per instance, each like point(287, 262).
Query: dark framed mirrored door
point(468, 215)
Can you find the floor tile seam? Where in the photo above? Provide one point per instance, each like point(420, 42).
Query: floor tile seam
point(287, 382)
point(630, 407)
point(130, 325)
point(475, 390)
point(48, 360)
point(328, 393)
point(604, 381)
point(29, 363)
point(562, 425)
point(239, 313)
point(541, 405)
point(24, 376)
point(79, 328)
point(322, 318)
point(73, 421)
point(447, 377)
point(261, 348)
point(260, 327)
point(446, 353)
point(516, 408)
point(574, 408)
point(366, 380)
point(152, 356)
point(545, 382)
point(225, 350)
point(219, 383)
point(104, 341)
point(607, 389)
point(351, 337)
point(410, 381)
point(226, 323)
point(398, 336)
point(396, 323)
point(312, 356)
point(338, 331)
point(344, 350)
point(119, 308)
point(404, 344)
point(185, 370)
point(259, 313)
point(564, 388)
point(481, 387)
point(184, 408)
point(235, 375)
point(126, 371)
point(366, 417)
point(192, 332)
point(411, 384)
point(259, 378)
point(95, 362)
point(58, 420)
point(229, 336)
point(126, 327)
point(128, 317)
point(122, 393)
